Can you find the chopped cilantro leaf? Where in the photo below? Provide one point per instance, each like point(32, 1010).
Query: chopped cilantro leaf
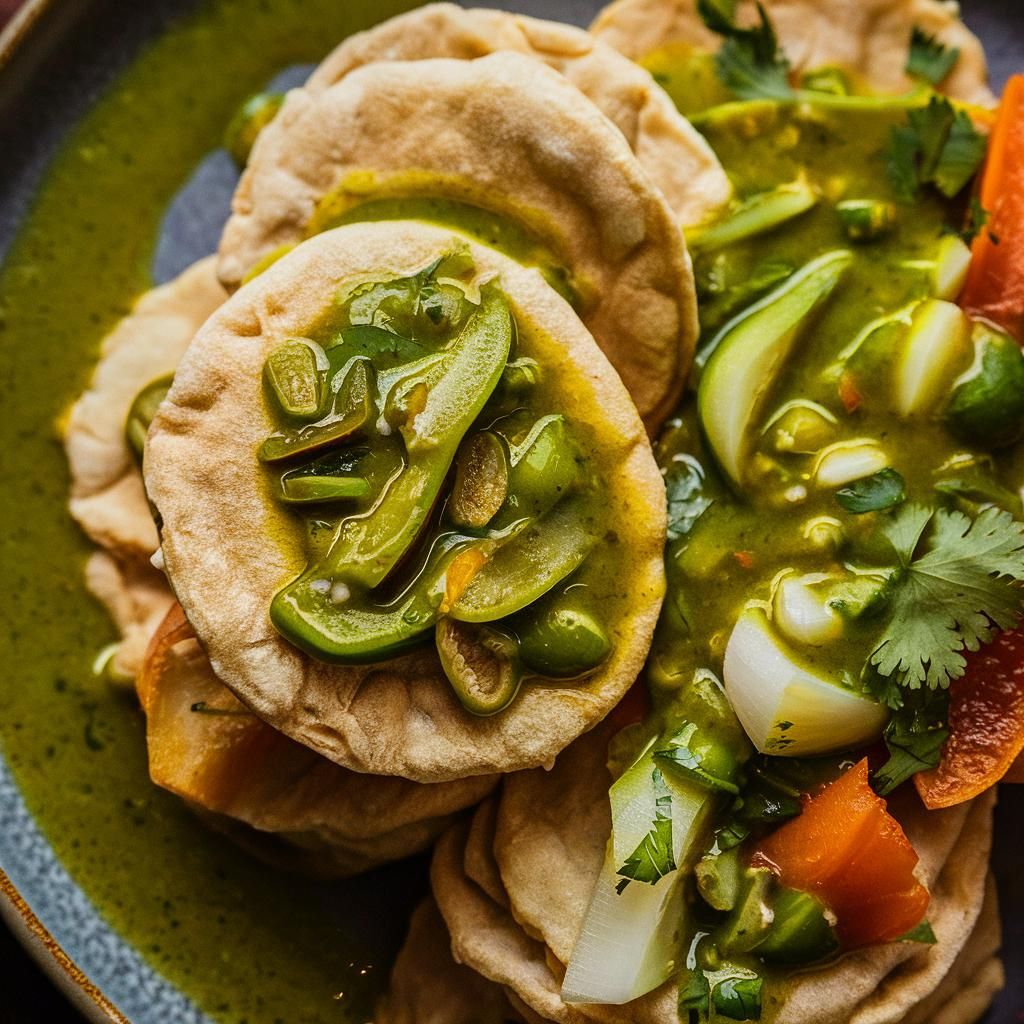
point(929, 59)
point(653, 858)
point(952, 598)
point(976, 219)
point(687, 500)
point(749, 62)
point(738, 998)
point(915, 737)
point(923, 933)
point(938, 146)
point(882, 490)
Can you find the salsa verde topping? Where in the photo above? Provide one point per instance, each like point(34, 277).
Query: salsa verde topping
point(445, 499)
point(845, 525)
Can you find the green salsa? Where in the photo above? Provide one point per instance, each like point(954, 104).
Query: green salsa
point(202, 913)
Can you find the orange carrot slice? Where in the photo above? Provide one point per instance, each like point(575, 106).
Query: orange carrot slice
point(995, 282)
point(849, 851)
point(986, 724)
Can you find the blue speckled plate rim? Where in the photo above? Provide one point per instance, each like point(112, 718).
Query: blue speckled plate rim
point(102, 975)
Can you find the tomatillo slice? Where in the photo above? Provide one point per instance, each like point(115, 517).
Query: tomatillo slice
point(293, 374)
point(142, 411)
point(481, 480)
point(306, 490)
point(354, 410)
point(449, 396)
point(481, 663)
point(332, 622)
point(529, 565)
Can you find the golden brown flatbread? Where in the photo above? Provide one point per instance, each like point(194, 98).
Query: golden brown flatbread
point(310, 814)
point(398, 717)
point(428, 987)
point(507, 133)
point(868, 37)
point(549, 845)
point(137, 598)
point(107, 498)
point(674, 155)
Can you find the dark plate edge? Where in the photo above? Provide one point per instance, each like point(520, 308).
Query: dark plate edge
point(58, 966)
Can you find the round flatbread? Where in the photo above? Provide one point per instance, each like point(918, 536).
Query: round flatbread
point(427, 986)
point(137, 598)
point(310, 814)
point(107, 498)
point(549, 845)
point(507, 134)
point(674, 155)
point(398, 717)
point(869, 37)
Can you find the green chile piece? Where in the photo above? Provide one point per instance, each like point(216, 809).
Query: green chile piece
point(750, 920)
point(987, 405)
point(801, 932)
point(447, 397)
point(481, 663)
point(864, 220)
point(294, 376)
point(334, 623)
point(353, 411)
point(561, 640)
point(306, 490)
point(529, 565)
point(546, 467)
point(481, 481)
point(142, 411)
point(252, 117)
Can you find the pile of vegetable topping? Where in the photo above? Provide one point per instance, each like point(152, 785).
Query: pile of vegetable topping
point(846, 534)
point(438, 493)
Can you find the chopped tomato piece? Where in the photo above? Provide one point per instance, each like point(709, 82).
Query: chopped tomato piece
point(986, 724)
point(745, 559)
point(849, 393)
point(995, 282)
point(846, 849)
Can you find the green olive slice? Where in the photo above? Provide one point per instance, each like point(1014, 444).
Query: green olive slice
point(142, 411)
point(293, 374)
point(529, 565)
point(481, 481)
point(355, 411)
point(560, 639)
point(481, 663)
point(305, 490)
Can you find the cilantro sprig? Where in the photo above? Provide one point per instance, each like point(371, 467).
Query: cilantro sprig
point(929, 59)
point(948, 598)
point(750, 61)
point(653, 858)
point(938, 146)
point(915, 736)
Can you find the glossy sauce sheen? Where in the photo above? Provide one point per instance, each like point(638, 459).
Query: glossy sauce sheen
point(207, 917)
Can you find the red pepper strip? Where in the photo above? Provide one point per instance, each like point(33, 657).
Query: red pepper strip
point(995, 282)
point(849, 851)
point(986, 724)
